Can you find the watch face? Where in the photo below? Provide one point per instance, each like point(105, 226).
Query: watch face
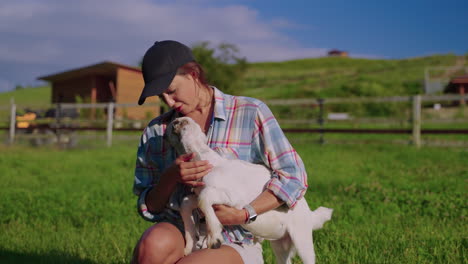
point(252, 218)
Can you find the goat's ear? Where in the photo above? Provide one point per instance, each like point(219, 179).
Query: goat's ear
point(184, 122)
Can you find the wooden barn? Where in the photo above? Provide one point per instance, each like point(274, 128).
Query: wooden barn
point(337, 53)
point(102, 83)
point(458, 85)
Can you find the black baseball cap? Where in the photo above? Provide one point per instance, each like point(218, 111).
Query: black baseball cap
point(160, 65)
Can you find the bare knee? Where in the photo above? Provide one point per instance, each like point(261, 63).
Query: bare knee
point(160, 244)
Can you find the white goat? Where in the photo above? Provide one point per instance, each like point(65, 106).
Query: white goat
point(236, 183)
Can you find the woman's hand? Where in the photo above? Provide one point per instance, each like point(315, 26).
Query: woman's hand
point(229, 215)
point(189, 172)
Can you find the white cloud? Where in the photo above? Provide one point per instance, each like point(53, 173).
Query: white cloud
point(284, 23)
point(271, 52)
point(60, 34)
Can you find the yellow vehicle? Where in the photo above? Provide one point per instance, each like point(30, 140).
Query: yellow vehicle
point(24, 121)
point(46, 128)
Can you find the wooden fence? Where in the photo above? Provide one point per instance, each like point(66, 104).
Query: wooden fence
point(414, 120)
point(110, 124)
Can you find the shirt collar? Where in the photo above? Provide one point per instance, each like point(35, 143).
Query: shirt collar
point(219, 108)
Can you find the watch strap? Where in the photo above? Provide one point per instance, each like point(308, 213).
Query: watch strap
point(252, 214)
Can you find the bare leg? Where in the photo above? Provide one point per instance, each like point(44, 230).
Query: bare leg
point(162, 243)
point(224, 254)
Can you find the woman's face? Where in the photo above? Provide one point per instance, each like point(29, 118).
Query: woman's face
point(182, 94)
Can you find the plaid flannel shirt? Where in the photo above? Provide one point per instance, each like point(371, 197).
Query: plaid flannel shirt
point(242, 128)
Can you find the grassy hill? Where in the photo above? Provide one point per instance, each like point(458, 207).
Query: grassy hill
point(317, 77)
point(340, 77)
point(27, 96)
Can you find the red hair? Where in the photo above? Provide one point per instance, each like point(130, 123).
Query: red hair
point(196, 70)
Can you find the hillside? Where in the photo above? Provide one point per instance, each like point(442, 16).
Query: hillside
point(27, 96)
point(340, 77)
point(317, 77)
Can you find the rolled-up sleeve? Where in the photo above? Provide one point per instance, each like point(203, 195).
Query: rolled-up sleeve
point(146, 174)
point(289, 178)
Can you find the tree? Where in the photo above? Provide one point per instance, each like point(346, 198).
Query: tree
point(223, 67)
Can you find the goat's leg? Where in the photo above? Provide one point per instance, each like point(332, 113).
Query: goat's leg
point(189, 204)
point(283, 249)
point(214, 227)
point(300, 231)
point(206, 199)
point(305, 247)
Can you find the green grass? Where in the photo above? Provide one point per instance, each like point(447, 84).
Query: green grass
point(393, 204)
point(32, 97)
point(339, 77)
point(27, 96)
point(312, 78)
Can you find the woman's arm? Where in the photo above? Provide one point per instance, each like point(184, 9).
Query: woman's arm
point(288, 180)
point(155, 184)
point(182, 170)
point(157, 198)
point(265, 202)
point(270, 146)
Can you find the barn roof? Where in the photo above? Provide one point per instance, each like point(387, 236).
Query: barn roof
point(453, 85)
point(460, 79)
point(103, 68)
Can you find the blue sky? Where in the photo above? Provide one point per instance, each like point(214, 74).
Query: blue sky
point(41, 37)
point(387, 29)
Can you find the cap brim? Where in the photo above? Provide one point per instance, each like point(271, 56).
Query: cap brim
point(157, 86)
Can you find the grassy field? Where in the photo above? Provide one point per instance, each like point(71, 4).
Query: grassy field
point(393, 204)
point(27, 96)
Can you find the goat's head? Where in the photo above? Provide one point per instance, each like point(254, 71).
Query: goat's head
point(184, 135)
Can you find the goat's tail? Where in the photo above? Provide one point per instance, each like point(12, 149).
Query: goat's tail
point(320, 216)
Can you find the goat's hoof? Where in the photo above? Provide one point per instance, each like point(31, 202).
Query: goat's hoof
point(188, 251)
point(216, 244)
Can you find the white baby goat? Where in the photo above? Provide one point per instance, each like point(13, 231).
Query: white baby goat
point(236, 183)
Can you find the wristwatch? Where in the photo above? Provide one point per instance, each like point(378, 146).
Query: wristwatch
point(252, 213)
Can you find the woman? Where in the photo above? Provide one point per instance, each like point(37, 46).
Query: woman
point(238, 127)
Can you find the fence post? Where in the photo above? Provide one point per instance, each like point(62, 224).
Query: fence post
point(321, 120)
point(426, 80)
point(417, 120)
point(110, 122)
point(58, 117)
point(11, 138)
